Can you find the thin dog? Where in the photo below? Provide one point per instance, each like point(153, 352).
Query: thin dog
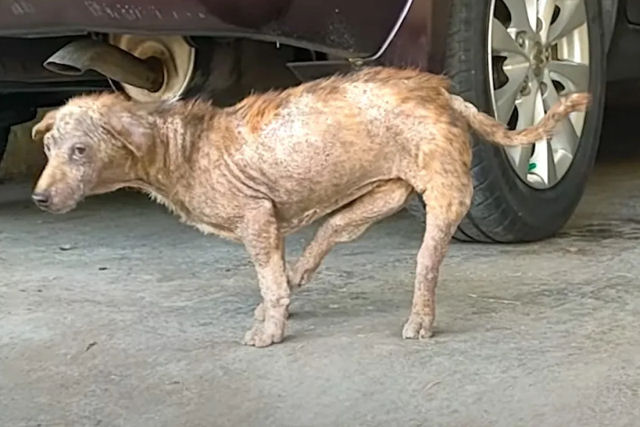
point(352, 147)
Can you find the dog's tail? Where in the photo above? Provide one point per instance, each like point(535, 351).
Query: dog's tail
point(493, 131)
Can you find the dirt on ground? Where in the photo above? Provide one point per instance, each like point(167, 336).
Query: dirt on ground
point(117, 315)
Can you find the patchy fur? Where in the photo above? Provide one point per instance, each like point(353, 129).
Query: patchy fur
point(352, 147)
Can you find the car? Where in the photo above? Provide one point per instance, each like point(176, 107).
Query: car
point(511, 58)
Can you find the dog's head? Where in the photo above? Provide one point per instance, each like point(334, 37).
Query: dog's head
point(91, 144)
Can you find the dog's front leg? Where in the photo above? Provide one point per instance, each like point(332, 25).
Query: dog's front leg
point(265, 245)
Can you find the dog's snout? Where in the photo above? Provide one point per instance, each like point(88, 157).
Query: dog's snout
point(41, 199)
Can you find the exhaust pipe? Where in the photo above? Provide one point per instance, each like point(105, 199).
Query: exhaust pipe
point(87, 54)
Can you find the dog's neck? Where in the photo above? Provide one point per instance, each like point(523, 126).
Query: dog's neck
point(162, 167)
point(179, 136)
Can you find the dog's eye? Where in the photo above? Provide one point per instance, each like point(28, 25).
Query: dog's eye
point(79, 150)
point(47, 149)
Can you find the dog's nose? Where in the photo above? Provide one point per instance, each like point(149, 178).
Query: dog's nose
point(41, 199)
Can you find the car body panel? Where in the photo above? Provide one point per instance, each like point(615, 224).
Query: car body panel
point(394, 32)
point(623, 58)
point(421, 39)
point(349, 28)
point(609, 10)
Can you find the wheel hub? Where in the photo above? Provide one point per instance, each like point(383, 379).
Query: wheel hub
point(533, 50)
point(539, 59)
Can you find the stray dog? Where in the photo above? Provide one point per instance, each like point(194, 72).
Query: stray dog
point(354, 147)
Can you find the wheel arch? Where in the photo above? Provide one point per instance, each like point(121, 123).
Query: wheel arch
point(421, 39)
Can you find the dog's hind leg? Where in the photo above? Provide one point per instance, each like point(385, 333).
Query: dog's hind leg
point(345, 225)
point(448, 197)
point(348, 224)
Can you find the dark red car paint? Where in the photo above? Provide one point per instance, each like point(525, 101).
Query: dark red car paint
point(346, 28)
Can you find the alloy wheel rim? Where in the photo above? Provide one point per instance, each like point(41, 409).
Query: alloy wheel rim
point(538, 51)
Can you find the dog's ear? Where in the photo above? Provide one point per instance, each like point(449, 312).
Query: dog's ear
point(44, 126)
point(130, 129)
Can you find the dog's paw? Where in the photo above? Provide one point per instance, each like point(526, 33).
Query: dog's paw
point(263, 334)
point(298, 276)
point(417, 327)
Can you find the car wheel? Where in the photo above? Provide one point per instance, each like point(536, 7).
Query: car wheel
point(514, 63)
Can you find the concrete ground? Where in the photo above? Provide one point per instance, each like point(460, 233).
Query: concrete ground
point(117, 315)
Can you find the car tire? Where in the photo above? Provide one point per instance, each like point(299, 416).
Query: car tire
point(505, 208)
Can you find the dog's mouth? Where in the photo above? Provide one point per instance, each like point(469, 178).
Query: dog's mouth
point(62, 210)
point(58, 209)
